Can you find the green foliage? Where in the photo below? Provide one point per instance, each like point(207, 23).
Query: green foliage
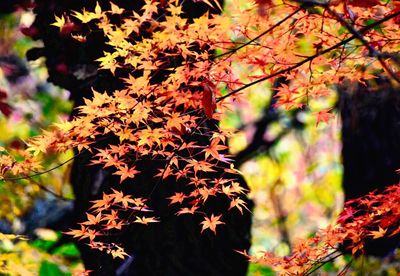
point(68, 250)
point(260, 270)
point(48, 268)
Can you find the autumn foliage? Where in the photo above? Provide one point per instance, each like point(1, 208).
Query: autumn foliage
point(371, 217)
point(179, 81)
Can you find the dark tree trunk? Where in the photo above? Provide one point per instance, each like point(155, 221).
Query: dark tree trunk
point(174, 246)
point(371, 145)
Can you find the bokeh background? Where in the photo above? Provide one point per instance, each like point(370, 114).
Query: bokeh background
point(295, 178)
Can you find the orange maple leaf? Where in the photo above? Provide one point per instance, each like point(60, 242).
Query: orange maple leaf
point(119, 197)
point(378, 234)
point(186, 210)
point(93, 220)
point(323, 116)
point(101, 204)
point(211, 223)
point(118, 253)
point(178, 197)
point(126, 172)
point(77, 233)
point(239, 204)
point(213, 149)
point(145, 220)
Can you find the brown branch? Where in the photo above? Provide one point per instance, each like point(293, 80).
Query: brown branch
point(280, 214)
point(372, 51)
point(310, 58)
point(259, 36)
point(42, 172)
point(47, 190)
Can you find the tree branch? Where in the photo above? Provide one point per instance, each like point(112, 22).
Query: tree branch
point(310, 58)
point(372, 51)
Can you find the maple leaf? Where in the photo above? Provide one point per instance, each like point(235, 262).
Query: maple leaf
point(111, 217)
point(93, 220)
point(126, 172)
point(174, 10)
point(78, 233)
point(213, 149)
point(187, 210)
point(176, 121)
point(80, 38)
point(200, 166)
point(177, 198)
point(145, 220)
point(237, 188)
point(323, 116)
point(115, 9)
point(239, 204)
point(85, 16)
point(150, 7)
point(125, 134)
point(60, 22)
point(108, 62)
point(118, 253)
point(205, 192)
point(395, 232)
point(378, 234)
point(211, 223)
point(232, 169)
point(356, 248)
point(151, 115)
point(139, 202)
point(208, 99)
point(91, 234)
point(101, 204)
point(97, 10)
point(112, 221)
point(114, 225)
point(125, 200)
point(214, 2)
point(164, 172)
point(346, 214)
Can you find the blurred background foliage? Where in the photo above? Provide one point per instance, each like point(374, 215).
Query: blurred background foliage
point(295, 180)
point(28, 104)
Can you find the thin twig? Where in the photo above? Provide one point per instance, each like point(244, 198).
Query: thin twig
point(259, 36)
point(42, 172)
point(310, 58)
point(47, 190)
point(372, 51)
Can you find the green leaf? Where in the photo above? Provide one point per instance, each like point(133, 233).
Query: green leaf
point(42, 244)
point(48, 268)
point(256, 269)
point(342, 30)
point(67, 250)
point(328, 267)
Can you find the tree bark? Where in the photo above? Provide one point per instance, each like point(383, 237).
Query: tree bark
point(371, 149)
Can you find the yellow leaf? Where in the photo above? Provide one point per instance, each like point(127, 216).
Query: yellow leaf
point(115, 9)
point(60, 22)
point(378, 234)
point(86, 16)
